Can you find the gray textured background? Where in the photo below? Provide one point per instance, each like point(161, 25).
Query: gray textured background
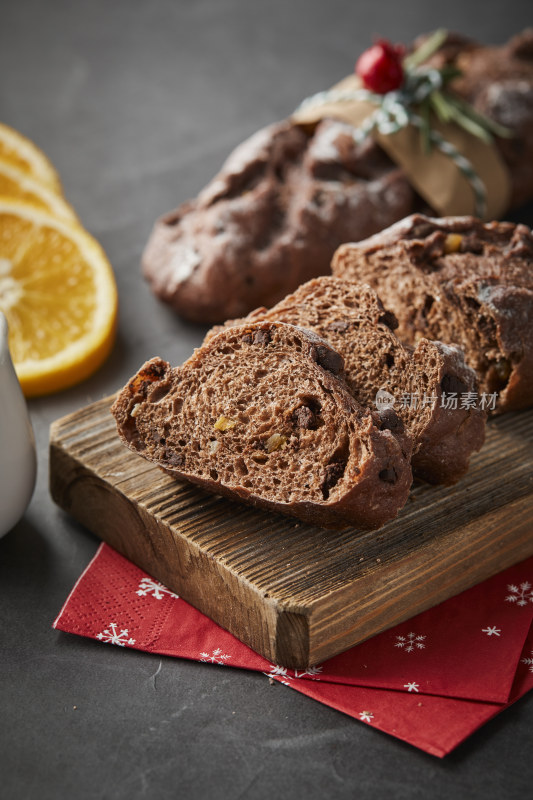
point(137, 104)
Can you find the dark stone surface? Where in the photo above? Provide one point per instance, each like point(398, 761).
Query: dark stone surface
point(137, 104)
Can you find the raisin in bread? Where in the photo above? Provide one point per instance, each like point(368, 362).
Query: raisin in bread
point(273, 216)
point(258, 414)
point(353, 320)
point(461, 281)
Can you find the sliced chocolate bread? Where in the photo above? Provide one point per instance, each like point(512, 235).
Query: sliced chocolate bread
point(353, 320)
point(259, 414)
point(461, 281)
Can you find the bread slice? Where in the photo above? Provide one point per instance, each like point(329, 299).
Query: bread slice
point(259, 414)
point(461, 281)
point(353, 320)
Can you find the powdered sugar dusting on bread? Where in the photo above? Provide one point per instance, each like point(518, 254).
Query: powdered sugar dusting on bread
point(323, 146)
point(184, 261)
point(451, 350)
point(511, 102)
point(256, 147)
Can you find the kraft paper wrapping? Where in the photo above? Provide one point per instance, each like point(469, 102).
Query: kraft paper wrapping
point(434, 175)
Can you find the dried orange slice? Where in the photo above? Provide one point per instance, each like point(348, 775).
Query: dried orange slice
point(21, 186)
point(58, 293)
point(23, 154)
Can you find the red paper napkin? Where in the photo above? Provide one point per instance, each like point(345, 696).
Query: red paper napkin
point(431, 681)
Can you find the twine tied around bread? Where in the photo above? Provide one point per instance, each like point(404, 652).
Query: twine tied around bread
point(422, 100)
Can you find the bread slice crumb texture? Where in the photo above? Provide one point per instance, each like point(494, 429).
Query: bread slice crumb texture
point(260, 413)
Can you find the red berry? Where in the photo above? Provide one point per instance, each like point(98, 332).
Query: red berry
point(380, 67)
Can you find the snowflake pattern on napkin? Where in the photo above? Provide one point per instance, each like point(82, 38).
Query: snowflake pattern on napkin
point(430, 681)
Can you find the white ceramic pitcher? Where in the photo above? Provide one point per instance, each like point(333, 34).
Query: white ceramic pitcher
point(17, 444)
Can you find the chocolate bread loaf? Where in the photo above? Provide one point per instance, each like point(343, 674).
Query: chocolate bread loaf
point(259, 414)
point(353, 320)
point(461, 281)
point(289, 196)
point(271, 219)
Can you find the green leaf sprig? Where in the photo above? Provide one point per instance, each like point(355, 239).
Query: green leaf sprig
point(441, 100)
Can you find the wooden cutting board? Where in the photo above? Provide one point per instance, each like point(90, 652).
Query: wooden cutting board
point(294, 593)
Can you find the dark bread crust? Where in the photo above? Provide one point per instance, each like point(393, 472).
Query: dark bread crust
point(459, 280)
point(451, 436)
point(289, 196)
point(353, 320)
point(258, 415)
point(271, 219)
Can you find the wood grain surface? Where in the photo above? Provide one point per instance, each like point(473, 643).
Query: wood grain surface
point(297, 594)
